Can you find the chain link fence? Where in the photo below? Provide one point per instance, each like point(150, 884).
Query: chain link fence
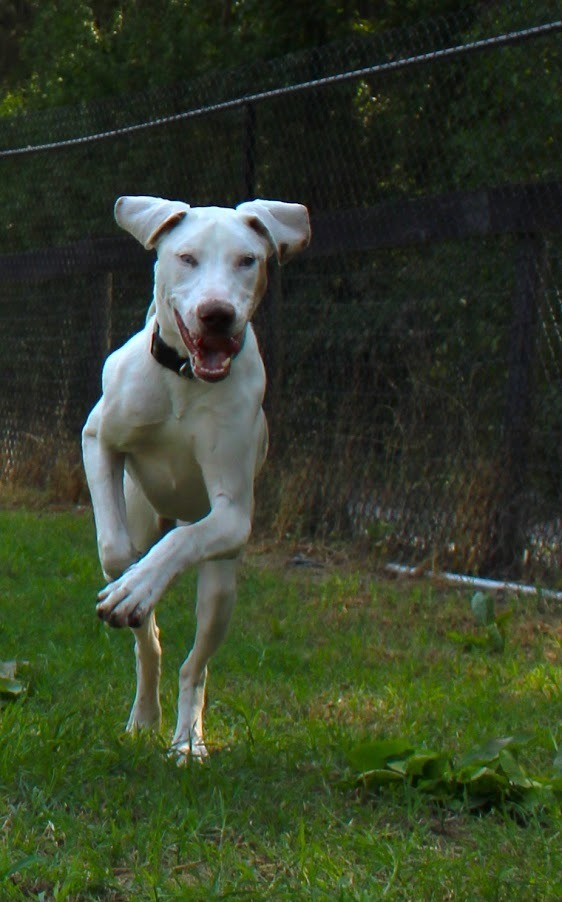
point(413, 353)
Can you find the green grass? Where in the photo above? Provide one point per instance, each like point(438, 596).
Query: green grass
point(312, 666)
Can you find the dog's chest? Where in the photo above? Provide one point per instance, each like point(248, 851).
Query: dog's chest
point(164, 460)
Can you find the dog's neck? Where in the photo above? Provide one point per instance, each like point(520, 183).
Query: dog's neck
point(167, 356)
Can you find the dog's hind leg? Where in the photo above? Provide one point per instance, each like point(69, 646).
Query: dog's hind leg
point(145, 528)
point(216, 594)
point(146, 712)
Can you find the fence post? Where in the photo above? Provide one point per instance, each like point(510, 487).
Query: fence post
point(507, 543)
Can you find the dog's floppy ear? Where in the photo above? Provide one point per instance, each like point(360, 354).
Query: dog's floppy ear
point(147, 218)
point(285, 225)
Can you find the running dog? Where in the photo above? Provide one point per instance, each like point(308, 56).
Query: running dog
point(172, 448)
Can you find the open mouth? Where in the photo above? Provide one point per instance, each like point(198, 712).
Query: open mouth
point(211, 354)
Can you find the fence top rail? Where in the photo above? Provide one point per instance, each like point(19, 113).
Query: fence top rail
point(508, 38)
point(509, 209)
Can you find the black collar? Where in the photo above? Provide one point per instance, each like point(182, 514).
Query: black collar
point(169, 357)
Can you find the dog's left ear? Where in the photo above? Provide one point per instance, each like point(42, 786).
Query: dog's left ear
point(286, 226)
point(147, 218)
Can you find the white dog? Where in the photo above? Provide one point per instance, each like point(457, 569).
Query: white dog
point(172, 448)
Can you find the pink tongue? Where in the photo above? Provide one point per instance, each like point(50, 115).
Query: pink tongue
point(209, 343)
point(213, 355)
point(213, 360)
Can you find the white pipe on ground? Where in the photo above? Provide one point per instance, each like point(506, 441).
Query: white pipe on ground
point(475, 582)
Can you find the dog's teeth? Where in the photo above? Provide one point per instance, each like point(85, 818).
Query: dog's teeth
point(227, 362)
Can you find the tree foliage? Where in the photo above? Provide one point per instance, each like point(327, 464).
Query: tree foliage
point(59, 52)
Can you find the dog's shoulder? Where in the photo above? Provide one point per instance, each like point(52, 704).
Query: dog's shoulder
point(133, 395)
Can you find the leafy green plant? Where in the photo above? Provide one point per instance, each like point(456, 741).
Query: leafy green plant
point(492, 633)
point(10, 686)
point(488, 776)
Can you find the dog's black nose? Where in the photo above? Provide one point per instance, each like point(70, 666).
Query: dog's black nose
point(217, 316)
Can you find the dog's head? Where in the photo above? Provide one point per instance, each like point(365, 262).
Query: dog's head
point(212, 269)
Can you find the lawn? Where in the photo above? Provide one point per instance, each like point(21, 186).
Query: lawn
point(317, 662)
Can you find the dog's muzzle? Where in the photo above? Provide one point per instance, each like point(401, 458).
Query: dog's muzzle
point(209, 357)
point(211, 353)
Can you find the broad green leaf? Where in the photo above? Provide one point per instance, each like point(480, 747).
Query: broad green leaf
point(398, 766)
point(466, 773)
point(489, 751)
point(483, 608)
point(557, 763)
point(379, 777)
point(441, 790)
point(10, 687)
point(514, 772)
point(374, 755)
point(486, 783)
point(430, 765)
point(488, 775)
point(8, 669)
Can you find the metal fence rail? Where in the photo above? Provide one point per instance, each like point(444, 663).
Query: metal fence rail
point(413, 354)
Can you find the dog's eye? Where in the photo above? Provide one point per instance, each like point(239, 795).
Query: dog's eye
point(246, 261)
point(188, 259)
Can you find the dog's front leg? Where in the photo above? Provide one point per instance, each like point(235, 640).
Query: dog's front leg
point(216, 594)
point(221, 534)
point(104, 471)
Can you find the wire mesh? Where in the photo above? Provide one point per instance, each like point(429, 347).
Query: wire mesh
point(413, 354)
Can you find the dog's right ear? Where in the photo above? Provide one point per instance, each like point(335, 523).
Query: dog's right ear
point(148, 218)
